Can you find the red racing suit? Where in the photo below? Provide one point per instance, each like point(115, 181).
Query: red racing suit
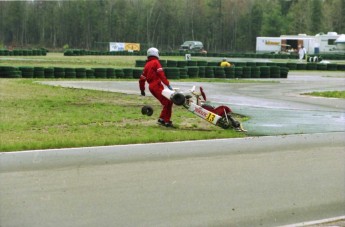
point(154, 75)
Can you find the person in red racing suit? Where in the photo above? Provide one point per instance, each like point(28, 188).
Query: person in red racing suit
point(154, 75)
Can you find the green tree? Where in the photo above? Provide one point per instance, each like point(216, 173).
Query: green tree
point(273, 21)
point(316, 17)
point(256, 18)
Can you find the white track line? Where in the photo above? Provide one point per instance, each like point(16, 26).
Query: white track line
point(327, 220)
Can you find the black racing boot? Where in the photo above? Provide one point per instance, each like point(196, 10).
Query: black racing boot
point(169, 124)
point(161, 121)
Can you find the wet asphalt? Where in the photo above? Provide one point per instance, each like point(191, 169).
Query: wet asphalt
point(274, 106)
point(253, 181)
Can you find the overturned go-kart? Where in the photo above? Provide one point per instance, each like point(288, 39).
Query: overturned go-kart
point(195, 102)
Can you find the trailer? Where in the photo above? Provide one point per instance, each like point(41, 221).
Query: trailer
point(297, 41)
point(320, 43)
point(268, 44)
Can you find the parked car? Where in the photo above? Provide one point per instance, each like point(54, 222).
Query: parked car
point(194, 46)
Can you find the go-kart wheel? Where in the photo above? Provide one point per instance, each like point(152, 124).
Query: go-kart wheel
point(226, 121)
point(147, 110)
point(178, 99)
point(223, 123)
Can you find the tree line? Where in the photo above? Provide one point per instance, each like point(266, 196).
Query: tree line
point(222, 25)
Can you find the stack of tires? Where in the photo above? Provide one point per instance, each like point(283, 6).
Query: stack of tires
point(137, 73)
point(171, 63)
point(172, 72)
point(111, 73)
point(275, 72)
point(291, 65)
point(251, 64)
point(264, 72)
point(241, 64)
point(202, 71)
point(229, 72)
point(140, 63)
point(38, 72)
point(332, 67)
point(192, 63)
point(219, 72)
point(321, 66)
point(284, 72)
point(281, 64)
point(212, 63)
point(10, 72)
point(271, 64)
point(183, 73)
point(119, 73)
point(341, 67)
point(261, 64)
point(247, 71)
point(80, 72)
point(48, 72)
point(255, 72)
point(181, 63)
point(163, 63)
point(59, 72)
point(27, 72)
point(193, 71)
point(128, 73)
point(238, 72)
point(209, 72)
point(4, 52)
point(90, 73)
point(201, 63)
point(301, 66)
point(311, 66)
point(70, 73)
point(18, 52)
point(100, 72)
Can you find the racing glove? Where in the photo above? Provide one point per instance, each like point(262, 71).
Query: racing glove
point(143, 93)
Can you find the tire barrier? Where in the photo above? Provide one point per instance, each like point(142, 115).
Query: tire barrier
point(219, 72)
point(27, 72)
point(111, 73)
point(184, 73)
point(24, 52)
point(172, 72)
point(277, 70)
point(193, 71)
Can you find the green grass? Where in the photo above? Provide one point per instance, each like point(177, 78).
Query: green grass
point(35, 116)
point(328, 94)
point(58, 60)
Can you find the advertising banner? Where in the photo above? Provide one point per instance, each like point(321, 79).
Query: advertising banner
point(115, 46)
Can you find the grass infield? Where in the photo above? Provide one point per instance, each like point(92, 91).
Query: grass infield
point(328, 94)
point(36, 116)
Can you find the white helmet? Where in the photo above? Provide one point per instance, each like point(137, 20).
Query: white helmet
point(152, 52)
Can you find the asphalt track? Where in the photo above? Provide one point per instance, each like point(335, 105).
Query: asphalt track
point(295, 174)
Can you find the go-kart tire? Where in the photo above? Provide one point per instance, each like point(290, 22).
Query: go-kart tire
point(178, 99)
point(223, 123)
point(147, 110)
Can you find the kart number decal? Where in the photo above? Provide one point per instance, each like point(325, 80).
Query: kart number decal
point(210, 117)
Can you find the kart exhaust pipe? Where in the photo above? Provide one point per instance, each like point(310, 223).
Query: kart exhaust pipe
point(176, 97)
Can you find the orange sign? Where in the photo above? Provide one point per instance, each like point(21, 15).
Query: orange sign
point(132, 46)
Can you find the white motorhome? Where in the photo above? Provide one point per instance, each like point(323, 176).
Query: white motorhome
point(326, 42)
point(321, 43)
